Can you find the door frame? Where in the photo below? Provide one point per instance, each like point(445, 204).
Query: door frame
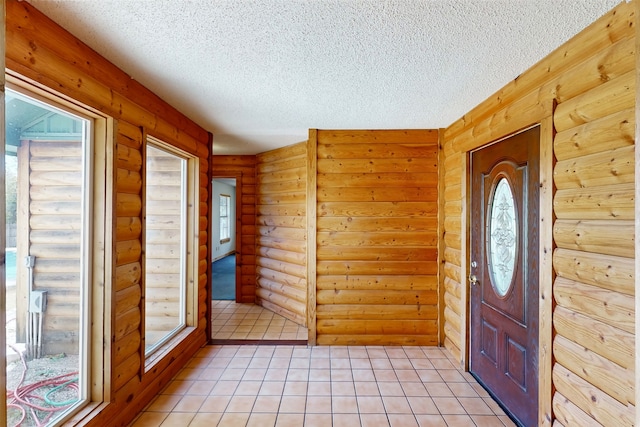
point(221, 174)
point(237, 219)
point(545, 260)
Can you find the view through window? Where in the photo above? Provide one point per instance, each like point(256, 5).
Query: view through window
point(47, 269)
point(165, 245)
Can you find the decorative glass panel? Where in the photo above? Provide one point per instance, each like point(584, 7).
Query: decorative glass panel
point(502, 237)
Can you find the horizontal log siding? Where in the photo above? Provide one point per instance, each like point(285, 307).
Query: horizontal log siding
point(594, 258)
point(127, 318)
point(592, 80)
point(51, 175)
point(377, 208)
point(45, 53)
point(281, 234)
point(243, 169)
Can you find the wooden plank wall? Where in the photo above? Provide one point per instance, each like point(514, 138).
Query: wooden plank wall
point(377, 207)
point(41, 51)
point(243, 169)
point(51, 231)
point(281, 232)
point(594, 260)
point(592, 80)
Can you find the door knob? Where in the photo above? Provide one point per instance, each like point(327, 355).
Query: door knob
point(473, 279)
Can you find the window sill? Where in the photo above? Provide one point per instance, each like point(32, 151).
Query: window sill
point(157, 356)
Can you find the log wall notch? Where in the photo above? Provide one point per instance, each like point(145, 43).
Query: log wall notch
point(377, 237)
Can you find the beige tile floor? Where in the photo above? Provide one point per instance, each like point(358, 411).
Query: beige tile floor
point(281, 385)
point(232, 321)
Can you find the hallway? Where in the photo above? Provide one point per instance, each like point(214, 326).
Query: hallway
point(322, 386)
point(232, 321)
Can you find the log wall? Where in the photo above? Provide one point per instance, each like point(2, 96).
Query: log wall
point(281, 232)
point(243, 169)
point(50, 229)
point(39, 51)
point(376, 260)
point(583, 94)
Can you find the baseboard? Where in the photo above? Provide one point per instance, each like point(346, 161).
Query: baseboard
point(257, 342)
point(224, 256)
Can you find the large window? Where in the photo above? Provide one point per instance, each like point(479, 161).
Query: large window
point(169, 255)
point(51, 237)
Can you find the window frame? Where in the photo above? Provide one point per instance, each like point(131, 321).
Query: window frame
point(189, 263)
point(226, 238)
point(97, 233)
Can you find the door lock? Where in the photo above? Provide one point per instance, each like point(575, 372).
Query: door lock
point(473, 279)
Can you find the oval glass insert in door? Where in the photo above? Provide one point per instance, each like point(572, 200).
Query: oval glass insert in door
point(502, 237)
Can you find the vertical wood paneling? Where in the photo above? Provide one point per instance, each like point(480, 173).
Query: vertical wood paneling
point(637, 212)
point(281, 231)
point(588, 244)
point(441, 225)
point(377, 237)
point(39, 50)
point(243, 169)
point(312, 209)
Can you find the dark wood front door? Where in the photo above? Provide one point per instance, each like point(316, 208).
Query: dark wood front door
point(504, 272)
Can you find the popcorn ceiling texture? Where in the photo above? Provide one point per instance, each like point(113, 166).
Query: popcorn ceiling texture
point(260, 73)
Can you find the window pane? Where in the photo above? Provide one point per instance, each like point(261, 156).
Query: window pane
point(47, 274)
point(224, 217)
point(223, 206)
point(224, 228)
point(165, 247)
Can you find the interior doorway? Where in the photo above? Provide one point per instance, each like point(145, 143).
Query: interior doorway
point(225, 262)
point(233, 318)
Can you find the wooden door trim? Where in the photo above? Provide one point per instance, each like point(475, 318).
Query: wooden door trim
point(545, 262)
point(545, 271)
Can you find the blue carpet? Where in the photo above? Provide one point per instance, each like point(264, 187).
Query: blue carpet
point(223, 278)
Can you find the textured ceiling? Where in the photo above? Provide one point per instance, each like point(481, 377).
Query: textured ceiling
point(260, 73)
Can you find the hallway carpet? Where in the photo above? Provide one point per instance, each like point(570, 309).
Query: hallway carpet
point(223, 278)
